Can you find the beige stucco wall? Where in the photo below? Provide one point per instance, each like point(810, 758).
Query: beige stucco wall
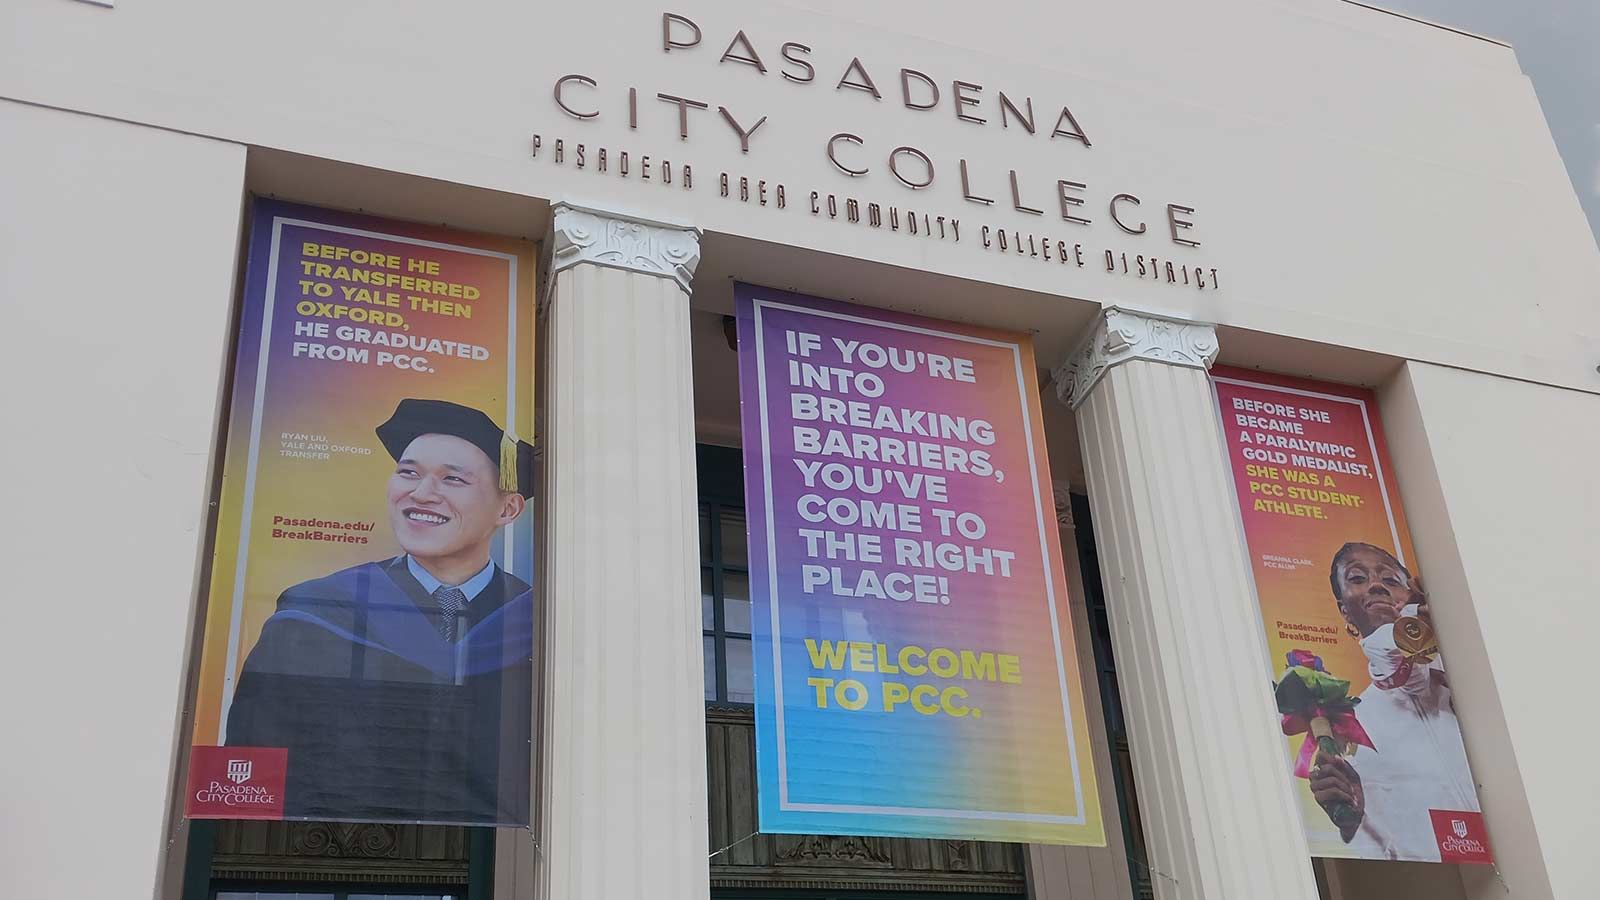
point(1500, 483)
point(117, 255)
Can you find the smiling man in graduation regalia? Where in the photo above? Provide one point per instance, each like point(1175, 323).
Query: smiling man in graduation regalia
point(402, 688)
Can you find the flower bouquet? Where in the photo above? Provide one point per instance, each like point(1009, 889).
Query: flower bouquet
point(1318, 705)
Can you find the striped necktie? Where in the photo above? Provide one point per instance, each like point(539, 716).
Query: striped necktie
point(451, 602)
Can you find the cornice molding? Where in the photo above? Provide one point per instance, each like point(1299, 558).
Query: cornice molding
point(618, 241)
point(1121, 335)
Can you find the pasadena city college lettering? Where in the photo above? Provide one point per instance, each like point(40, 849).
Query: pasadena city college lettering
point(1057, 218)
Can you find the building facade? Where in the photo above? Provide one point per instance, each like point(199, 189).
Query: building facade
point(1319, 189)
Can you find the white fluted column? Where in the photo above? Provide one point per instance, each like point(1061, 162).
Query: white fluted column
point(622, 799)
point(1220, 822)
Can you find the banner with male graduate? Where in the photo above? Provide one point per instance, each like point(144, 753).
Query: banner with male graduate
point(913, 654)
point(368, 644)
point(1366, 708)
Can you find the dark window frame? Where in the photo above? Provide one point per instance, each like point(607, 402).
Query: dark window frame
point(716, 568)
point(850, 894)
point(337, 890)
point(1110, 697)
point(721, 489)
point(199, 883)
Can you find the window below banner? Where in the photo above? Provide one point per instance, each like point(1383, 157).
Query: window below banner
point(724, 577)
point(725, 604)
point(330, 895)
point(789, 894)
point(229, 860)
point(1105, 666)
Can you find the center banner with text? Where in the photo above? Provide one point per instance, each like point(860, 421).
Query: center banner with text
point(1364, 703)
point(913, 640)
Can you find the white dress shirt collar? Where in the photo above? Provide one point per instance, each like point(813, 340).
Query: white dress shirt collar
point(472, 587)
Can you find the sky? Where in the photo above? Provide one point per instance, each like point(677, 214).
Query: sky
point(1558, 45)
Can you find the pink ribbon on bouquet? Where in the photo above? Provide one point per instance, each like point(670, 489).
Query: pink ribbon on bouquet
point(1346, 729)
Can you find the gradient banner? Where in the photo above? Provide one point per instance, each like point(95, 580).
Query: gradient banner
point(1373, 745)
point(384, 373)
point(913, 664)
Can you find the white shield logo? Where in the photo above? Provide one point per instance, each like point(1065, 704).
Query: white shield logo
point(239, 773)
point(1459, 827)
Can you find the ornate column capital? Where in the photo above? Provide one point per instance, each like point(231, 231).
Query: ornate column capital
point(1120, 335)
point(580, 234)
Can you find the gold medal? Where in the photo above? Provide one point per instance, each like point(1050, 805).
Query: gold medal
point(1415, 638)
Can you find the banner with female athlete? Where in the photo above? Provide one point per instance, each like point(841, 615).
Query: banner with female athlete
point(1365, 705)
point(369, 638)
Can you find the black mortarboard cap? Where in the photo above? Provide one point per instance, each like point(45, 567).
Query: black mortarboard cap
point(413, 418)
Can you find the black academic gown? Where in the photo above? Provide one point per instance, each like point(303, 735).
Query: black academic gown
point(382, 718)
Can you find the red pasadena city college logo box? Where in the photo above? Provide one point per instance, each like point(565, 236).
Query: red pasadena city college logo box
point(1461, 835)
point(236, 782)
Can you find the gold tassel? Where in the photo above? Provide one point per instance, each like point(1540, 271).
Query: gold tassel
point(508, 462)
